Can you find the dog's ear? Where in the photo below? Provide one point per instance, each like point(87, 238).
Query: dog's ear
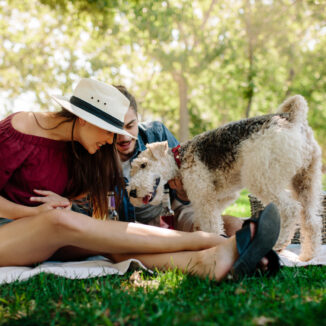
point(159, 149)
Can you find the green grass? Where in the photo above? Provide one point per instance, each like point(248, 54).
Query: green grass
point(241, 207)
point(296, 296)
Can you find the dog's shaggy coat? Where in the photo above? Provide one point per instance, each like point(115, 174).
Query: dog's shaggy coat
point(274, 156)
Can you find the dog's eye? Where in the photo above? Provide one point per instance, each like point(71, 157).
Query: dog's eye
point(143, 165)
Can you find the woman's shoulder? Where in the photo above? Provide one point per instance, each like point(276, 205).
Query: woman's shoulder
point(6, 124)
point(18, 127)
point(13, 126)
point(21, 121)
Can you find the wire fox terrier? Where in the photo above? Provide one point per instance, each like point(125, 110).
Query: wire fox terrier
point(274, 156)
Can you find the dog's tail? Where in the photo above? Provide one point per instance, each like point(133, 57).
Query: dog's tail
point(297, 108)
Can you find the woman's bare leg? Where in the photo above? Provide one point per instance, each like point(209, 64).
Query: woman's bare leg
point(34, 239)
point(214, 262)
point(71, 253)
point(231, 225)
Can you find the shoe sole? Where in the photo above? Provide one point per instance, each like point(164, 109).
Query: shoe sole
point(266, 235)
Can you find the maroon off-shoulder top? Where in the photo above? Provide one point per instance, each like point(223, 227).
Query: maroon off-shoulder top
point(30, 162)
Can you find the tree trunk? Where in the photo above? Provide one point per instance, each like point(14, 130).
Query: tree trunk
point(183, 110)
point(249, 105)
point(289, 82)
point(250, 77)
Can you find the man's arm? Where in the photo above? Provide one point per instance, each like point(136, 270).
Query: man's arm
point(177, 185)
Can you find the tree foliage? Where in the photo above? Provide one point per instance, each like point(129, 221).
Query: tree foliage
point(193, 64)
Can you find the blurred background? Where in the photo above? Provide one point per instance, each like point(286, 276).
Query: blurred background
point(194, 65)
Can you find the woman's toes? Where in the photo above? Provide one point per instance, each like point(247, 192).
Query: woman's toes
point(264, 264)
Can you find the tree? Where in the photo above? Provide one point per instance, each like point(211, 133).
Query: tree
point(39, 51)
point(203, 63)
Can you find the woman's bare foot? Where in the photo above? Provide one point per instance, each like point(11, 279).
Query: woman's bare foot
point(216, 262)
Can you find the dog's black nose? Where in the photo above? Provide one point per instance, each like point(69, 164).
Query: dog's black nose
point(133, 193)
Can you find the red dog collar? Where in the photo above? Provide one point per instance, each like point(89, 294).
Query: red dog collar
point(176, 154)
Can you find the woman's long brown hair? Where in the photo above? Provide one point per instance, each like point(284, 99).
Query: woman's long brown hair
point(92, 175)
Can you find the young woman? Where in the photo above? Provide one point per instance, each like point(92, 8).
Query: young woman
point(72, 153)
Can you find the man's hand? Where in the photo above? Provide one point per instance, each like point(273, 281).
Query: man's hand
point(51, 200)
point(177, 185)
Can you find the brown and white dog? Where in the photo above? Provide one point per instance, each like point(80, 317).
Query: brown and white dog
point(274, 156)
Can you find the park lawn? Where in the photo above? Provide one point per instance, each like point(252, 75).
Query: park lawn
point(241, 208)
point(296, 296)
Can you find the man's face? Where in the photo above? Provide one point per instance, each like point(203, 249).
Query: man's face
point(125, 144)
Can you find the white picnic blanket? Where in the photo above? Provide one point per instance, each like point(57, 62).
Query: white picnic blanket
point(290, 257)
point(101, 266)
point(92, 267)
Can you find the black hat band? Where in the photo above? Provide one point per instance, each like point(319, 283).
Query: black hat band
point(95, 111)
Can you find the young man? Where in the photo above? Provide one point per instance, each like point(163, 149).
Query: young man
point(129, 148)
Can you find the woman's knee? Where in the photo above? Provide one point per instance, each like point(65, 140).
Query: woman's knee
point(61, 220)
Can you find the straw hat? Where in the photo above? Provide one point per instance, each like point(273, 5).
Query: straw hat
point(98, 103)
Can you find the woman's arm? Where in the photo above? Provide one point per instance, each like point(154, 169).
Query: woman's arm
point(14, 211)
point(51, 200)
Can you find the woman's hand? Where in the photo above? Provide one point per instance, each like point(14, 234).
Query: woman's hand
point(177, 185)
point(50, 200)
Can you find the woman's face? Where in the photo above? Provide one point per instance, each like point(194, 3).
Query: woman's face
point(93, 138)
